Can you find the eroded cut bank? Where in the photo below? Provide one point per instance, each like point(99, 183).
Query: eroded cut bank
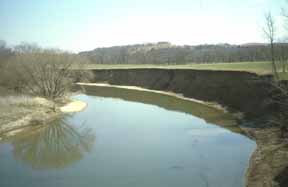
point(243, 92)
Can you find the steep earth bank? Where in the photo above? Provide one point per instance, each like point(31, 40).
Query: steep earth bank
point(242, 92)
point(238, 91)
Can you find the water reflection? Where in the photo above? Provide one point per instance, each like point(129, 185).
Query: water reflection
point(209, 114)
point(137, 145)
point(55, 145)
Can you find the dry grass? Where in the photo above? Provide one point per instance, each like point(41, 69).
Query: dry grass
point(255, 67)
point(260, 68)
point(17, 100)
point(13, 108)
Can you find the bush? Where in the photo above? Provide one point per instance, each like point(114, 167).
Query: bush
point(43, 72)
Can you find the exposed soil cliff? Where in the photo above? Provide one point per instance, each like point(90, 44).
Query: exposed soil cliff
point(239, 91)
point(242, 92)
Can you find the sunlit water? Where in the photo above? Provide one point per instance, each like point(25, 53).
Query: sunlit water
point(117, 142)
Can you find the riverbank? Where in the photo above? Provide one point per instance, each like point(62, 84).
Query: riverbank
point(268, 162)
point(237, 91)
point(19, 112)
point(179, 96)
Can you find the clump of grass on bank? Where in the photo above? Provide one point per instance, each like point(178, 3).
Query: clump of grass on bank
point(5, 92)
point(13, 108)
point(9, 111)
point(17, 100)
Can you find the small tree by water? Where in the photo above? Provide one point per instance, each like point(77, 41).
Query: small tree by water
point(44, 72)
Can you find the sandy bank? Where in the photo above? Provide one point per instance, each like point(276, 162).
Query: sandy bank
point(73, 106)
point(39, 111)
point(179, 96)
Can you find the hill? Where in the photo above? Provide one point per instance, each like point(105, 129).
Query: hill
point(167, 53)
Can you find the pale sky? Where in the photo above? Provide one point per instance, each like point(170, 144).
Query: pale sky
point(79, 25)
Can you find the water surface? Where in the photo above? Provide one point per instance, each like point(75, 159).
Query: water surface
point(129, 138)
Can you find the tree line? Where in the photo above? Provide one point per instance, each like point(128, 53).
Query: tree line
point(166, 53)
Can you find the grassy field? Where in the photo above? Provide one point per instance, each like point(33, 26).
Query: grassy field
point(255, 67)
point(260, 68)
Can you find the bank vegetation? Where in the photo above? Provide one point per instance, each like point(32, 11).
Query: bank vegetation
point(35, 83)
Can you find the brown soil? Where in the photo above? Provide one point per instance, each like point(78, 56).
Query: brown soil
point(269, 163)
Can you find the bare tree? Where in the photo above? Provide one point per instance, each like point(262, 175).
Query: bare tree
point(279, 92)
point(281, 56)
point(44, 72)
point(5, 53)
point(270, 33)
point(40, 145)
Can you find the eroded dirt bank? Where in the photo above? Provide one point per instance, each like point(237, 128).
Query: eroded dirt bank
point(269, 163)
point(242, 92)
point(239, 91)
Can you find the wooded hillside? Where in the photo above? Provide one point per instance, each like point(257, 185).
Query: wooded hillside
point(166, 53)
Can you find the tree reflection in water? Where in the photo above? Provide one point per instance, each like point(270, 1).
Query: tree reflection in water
point(54, 145)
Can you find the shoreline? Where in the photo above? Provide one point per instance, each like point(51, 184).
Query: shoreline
point(45, 112)
point(179, 96)
point(73, 106)
point(266, 163)
point(255, 175)
point(269, 160)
